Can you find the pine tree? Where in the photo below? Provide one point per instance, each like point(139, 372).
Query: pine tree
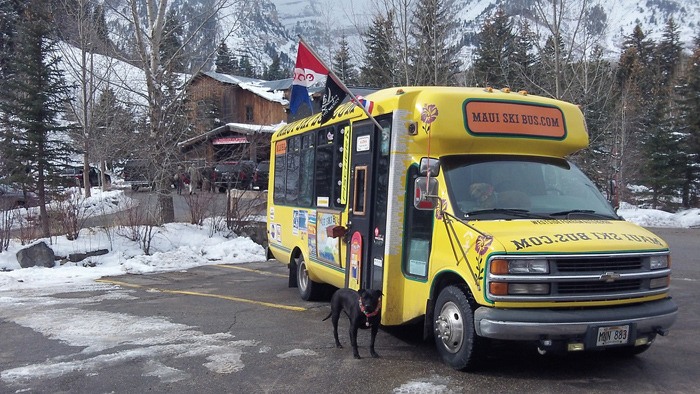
point(381, 64)
point(34, 94)
point(245, 67)
point(688, 100)
point(343, 66)
point(434, 58)
point(171, 47)
point(668, 53)
point(225, 61)
point(522, 61)
point(496, 47)
point(274, 70)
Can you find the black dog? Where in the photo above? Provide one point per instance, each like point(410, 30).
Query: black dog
point(363, 309)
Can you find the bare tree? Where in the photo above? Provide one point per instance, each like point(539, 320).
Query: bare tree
point(89, 74)
point(162, 101)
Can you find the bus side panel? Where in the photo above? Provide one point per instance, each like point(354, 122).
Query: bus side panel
point(394, 281)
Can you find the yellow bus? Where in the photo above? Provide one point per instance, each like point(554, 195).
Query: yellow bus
point(463, 210)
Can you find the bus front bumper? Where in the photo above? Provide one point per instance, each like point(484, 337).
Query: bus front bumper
point(537, 324)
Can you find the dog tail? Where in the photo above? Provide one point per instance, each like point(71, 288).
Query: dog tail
point(329, 315)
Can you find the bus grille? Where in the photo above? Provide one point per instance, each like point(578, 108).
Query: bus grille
point(585, 278)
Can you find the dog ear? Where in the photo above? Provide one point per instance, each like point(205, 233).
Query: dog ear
point(377, 293)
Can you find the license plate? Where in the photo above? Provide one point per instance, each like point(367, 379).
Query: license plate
point(614, 335)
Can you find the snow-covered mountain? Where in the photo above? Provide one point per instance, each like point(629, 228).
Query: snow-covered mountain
point(320, 21)
point(272, 27)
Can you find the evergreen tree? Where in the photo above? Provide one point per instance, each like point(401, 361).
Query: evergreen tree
point(274, 70)
point(381, 64)
point(245, 67)
point(225, 61)
point(668, 53)
point(100, 24)
point(171, 48)
point(434, 58)
point(522, 61)
point(688, 100)
point(495, 50)
point(343, 66)
point(34, 93)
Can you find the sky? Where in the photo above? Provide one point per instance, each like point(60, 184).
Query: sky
point(27, 299)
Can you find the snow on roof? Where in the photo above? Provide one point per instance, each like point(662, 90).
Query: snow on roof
point(269, 90)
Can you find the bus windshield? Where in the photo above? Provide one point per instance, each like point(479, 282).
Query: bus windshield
point(507, 187)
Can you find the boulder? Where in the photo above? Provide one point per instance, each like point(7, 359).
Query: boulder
point(75, 257)
point(37, 255)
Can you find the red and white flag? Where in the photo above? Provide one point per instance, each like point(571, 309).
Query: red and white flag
point(308, 71)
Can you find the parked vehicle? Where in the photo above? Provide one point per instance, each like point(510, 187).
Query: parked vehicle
point(73, 176)
point(234, 174)
point(12, 197)
point(260, 175)
point(138, 174)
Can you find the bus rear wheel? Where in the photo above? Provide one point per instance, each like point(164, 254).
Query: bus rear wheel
point(308, 289)
point(453, 329)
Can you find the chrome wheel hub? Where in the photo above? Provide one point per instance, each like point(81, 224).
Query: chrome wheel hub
point(449, 327)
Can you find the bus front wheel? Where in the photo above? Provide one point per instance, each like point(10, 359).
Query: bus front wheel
point(308, 289)
point(453, 329)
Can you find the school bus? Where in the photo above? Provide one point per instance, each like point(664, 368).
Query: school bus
point(463, 209)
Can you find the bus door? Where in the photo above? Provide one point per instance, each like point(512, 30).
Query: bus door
point(369, 175)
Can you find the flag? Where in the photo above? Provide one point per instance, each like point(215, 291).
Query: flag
point(368, 105)
point(333, 95)
point(308, 70)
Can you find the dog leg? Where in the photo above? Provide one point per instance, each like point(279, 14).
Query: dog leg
point(353, 341)
point(375, 328)
point(336, 316)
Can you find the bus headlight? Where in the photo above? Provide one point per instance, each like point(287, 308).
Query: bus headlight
point(659, 282)
point(658, 262)
point(502, 288)
point(519, 266)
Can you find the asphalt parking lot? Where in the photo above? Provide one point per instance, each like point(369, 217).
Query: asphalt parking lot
point(239, 328)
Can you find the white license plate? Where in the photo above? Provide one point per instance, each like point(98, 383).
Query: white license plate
point(614, 335)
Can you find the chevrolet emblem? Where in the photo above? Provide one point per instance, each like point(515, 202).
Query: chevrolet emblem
point(610, 277)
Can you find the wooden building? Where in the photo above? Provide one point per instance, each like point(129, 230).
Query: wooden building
point(232, 118)
point(220, 109)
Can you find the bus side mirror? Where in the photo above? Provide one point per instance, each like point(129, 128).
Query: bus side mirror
point(425, 193)
point(429, 166)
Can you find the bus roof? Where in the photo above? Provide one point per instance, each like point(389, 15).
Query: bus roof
point(458, 120)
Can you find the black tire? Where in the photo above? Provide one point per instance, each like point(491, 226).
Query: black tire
point(135, 188)
point(308, 289)
point(453, 329)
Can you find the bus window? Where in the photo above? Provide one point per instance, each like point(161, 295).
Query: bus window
point(306, 170)
point(358, 206)
point(324, 175)
point(293, 159)
point(280, 172)
point(419, 230)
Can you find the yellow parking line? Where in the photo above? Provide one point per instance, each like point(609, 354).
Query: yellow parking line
point(235, 267)
point(194, 293)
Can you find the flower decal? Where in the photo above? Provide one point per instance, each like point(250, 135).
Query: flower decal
point(482, 244)
point(428, 116)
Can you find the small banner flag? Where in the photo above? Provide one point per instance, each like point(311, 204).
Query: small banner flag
point(368, 105)
point(308, 70)
point(332, 97)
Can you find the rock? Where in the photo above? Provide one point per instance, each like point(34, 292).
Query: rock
point(37, 255)
point(75, 257)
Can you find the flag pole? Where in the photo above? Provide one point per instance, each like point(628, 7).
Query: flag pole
point(340, 83)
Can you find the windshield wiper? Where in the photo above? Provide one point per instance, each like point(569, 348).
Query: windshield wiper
point(521, 213)
point(582, 212)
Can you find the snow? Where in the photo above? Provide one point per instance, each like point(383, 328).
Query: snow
point(175, 247)
point(179, 246)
